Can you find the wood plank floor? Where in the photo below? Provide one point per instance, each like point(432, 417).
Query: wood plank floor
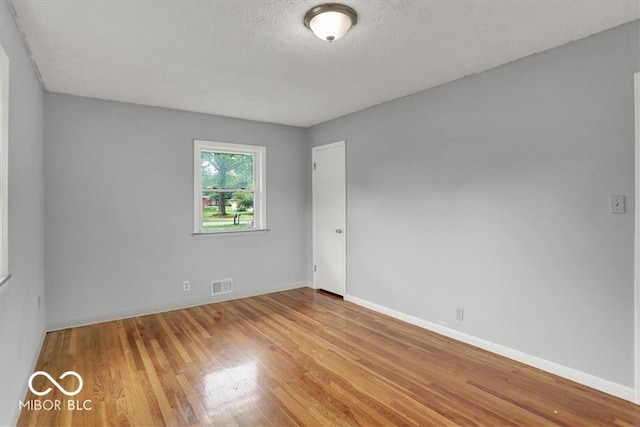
point(299, 357)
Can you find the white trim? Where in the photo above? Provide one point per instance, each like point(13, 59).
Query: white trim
point(259, 231)
point(259, 153)
point(636, 254)
point(4, 282)
point(329, 146)
point(125, 314)
point(589, 380)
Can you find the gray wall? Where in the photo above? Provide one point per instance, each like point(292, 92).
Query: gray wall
point(119, 211)
point(22, 324)
point(492, 193)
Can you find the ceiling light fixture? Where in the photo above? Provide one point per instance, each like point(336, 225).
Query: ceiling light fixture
point(330, 21)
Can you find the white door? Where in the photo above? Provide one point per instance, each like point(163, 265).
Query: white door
point(329, 218)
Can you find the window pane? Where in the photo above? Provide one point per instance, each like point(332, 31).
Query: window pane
point(226, 170)
point(223, 210)
point(228, 194)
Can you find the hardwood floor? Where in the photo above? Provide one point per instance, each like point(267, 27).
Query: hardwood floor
point(299, 357)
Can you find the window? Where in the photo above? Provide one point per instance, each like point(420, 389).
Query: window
point(4, 164)
point(229, 193)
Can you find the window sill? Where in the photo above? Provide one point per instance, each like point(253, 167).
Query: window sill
point(260, 231)
point(4, 282)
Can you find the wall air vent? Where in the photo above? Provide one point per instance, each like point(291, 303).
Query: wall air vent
point(219, 287)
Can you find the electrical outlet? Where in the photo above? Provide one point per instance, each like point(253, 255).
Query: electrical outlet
point(186, 286)
point(460, 313)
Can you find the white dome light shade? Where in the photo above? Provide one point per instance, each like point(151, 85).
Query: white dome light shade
point(330, 26)
point(330, 21)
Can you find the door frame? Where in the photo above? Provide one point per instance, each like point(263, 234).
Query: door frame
point(636, 255)
point(315, 149)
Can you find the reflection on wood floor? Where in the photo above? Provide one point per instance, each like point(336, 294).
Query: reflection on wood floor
point(298, 357)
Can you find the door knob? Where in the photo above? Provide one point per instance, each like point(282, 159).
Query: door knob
point(339, 230)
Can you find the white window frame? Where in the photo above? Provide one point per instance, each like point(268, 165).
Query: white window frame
point(4, 169)
point(259, 183)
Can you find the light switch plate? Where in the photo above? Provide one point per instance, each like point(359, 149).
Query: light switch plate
point(617, 204)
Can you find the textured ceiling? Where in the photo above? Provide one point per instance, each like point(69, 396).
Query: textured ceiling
point(256, 60)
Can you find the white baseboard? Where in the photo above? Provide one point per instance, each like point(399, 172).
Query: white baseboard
point(606, 386)
point(17, 410)
point(125, 314)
